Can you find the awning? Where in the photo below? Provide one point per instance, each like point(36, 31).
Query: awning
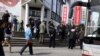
point(25, 2)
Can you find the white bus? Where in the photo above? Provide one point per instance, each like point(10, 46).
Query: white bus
point(91, 43)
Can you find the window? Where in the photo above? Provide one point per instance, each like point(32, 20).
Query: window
point(45, 15)
point(38, 13)
point(35, 13)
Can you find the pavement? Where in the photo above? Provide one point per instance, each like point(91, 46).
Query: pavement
point(44, 51)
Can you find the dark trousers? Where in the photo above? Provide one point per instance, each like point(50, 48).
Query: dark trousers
point(1, 50)
point(81, 43)
point(30, 49)
point(71, 43)
point(52, 41)
point(37, 34)
point(62, 35)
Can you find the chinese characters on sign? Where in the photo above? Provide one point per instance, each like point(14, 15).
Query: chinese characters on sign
point(64, 19)
point(77, 15)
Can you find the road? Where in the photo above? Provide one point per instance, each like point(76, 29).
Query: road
point(45, 51)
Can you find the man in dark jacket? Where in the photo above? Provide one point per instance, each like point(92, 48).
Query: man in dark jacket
point(1, 38)
point(52, 34)
point(6, 16)
point(31, 21)
point(81, 37)
point(72, 38)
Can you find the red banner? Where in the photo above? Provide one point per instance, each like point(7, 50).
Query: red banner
point(77, 15)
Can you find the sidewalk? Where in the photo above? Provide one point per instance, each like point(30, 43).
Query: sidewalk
point(45, 51)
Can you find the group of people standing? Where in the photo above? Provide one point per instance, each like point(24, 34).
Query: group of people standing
point(73, 34)
point(38, 30)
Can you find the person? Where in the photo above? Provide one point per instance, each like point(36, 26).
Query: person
point(37, 22)
point(1, 38)
point(31, 22)
point(63, 32)
point(59, 30)
point(72, 38)
point(81, 36)
point(21, 26)
point(35, 31)
point(8, 35)
point(6, 16)
point(15, 22)
point(28, 38)
point(52, 34)
point(62, 29)
point(41, 32)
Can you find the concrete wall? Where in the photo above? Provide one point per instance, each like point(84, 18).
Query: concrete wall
point(47, 3)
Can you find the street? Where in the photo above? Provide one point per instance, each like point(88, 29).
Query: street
point(45, 51)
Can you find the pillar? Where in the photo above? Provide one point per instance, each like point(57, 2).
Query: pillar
point(42, 13)
point(26, 15)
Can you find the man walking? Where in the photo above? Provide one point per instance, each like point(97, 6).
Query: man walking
point(28, 37)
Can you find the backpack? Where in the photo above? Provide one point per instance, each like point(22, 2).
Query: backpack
point(8, 31)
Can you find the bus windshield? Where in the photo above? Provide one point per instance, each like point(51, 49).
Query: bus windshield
point(92, 25)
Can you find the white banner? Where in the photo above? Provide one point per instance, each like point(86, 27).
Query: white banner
point(65, 11)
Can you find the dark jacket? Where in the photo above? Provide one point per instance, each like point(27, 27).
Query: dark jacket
point(52, 30)
point(5, 17)
point(72, 35)
point(31, 21)
point(1, 34)
point(81, 34)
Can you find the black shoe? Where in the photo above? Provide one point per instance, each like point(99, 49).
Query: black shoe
point(49, 46)
point(53, 46)
point(20, 53)
point(71, 47)
point(31, 54)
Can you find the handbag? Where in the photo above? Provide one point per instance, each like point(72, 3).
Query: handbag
point(29, 42)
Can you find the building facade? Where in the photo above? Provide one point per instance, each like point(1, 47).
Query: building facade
point(42, 9)
point(48, 10)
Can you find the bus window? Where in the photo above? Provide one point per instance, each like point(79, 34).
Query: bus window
point(93, 26)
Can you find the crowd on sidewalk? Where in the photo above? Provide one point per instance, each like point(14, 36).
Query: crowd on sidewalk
point(38, 29)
